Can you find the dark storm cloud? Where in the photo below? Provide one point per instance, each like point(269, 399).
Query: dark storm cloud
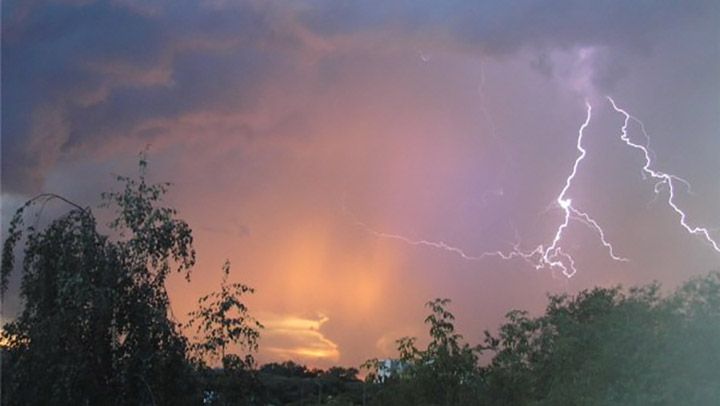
point(201, 81)
point(45, 50)
point(79, 72)
point(621, 30)
point(504, 27)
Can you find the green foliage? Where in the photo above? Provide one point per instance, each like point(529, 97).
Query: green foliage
point(289, 383)
point(610, 347)
point(605, 346)
point(95, 327)
point(445, 373)
point(223, 319)
point(288, 369)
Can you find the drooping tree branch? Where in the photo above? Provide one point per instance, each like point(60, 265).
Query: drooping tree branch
point(50, 196)
point(14, 233)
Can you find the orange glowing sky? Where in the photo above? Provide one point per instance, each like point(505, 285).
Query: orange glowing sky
point(281, 125)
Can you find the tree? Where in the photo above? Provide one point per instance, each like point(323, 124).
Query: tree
point(445, 373)
point(608, 346)
point(95, 327)
point(221, 320)
point(603, 346)
point(288, 369)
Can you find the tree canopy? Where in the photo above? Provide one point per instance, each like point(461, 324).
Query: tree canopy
point(96, 325)
point(603, 346)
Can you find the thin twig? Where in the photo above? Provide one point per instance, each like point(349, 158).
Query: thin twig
point(50, 196)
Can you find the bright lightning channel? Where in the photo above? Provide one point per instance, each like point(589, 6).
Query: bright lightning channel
point(551, 257)
point(663, 179)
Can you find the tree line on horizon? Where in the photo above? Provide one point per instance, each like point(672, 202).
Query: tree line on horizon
point(96, 328)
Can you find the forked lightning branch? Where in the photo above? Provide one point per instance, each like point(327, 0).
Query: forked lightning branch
point(552, 256)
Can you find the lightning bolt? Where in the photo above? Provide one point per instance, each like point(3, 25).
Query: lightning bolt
point(542, 257)
point(553, 256)
point(422, 243)
point(663, 179)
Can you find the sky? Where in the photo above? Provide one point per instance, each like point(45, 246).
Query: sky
point(354, 160)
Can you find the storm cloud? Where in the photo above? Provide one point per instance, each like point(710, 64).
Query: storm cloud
point(76, 73)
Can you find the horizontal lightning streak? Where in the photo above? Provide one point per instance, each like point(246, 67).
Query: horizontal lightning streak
point(433, 244)
point(552, 256)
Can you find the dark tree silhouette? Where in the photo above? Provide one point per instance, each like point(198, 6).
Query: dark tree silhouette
point(95, 326)
point(222, 320)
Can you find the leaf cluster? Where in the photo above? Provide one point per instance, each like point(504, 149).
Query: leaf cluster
point(96, 325)
point(223, 319)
